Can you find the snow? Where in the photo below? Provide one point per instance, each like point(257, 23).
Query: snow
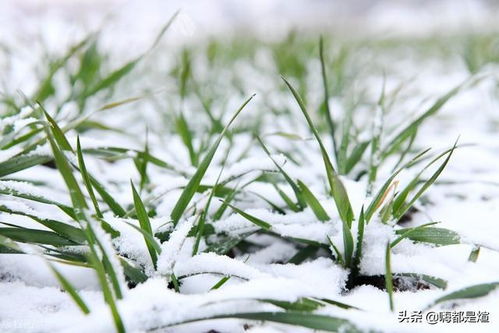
point(466, 200)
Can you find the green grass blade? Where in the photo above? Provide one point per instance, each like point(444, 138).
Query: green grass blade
point(186, 135)
point(77, 197)
point(408, 131)
point(22, 162)
point(388, 276)
point(86, 178)
point(337, 189)
point(348, 244)
point(437, 282)
point(202, 217)
point(358, 248)
point(313, 203)
point(34, 236)
point(355, 156)
point(302, 319)
point(437, 236)
point(475, 252)
point(401, 211)
point(253, 219)
point(410, 231)
point(145, 224)
point(378, 198)
point(329, 118)
point(195, 181)
point(108, 198)
point(288, 179)
point(475, 291)
point(68, 287)
point(339, 257)
point(303, 254)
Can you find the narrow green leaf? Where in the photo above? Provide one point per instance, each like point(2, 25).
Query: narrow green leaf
point(194, 182)
point(401, 211)
point(410, 231)
point(437, 282)
point(474, 291)
point(77, 197)
point(70, 289)
point(22, 162)
point(255, 220)
point(347, 244)
point(378, 198)
point(408, 131)
point(388, 276)
point(303, 254)
point(294, 186)
point(145, 224)
point(475, 252)
point(186, 135)
point(358, 248)
point(437, 236)
point(86, 178)
point(313, 203)
point(337, 188)
point(34, 236)
point(355, 156)
point(220, 283)
point(303, 319)
point(108, 198)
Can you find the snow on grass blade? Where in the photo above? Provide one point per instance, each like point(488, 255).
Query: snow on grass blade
point(475, 291)
point(295, 318)
point(22, 162)
point(195, 180)
point(145, 225)
point(9, 190)
point(475, 252)
point(34, 236)
point(63, 229)
point(8, 245)
point(302, 304)
point(426, 234)
point(437, 282)
point(338, 191)
point(253, 219)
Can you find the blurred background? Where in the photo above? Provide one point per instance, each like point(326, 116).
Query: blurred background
point(270, 18)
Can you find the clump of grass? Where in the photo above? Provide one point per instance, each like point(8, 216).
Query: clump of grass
point(92, 202)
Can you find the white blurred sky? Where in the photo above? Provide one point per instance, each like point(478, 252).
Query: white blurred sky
point(264, 16)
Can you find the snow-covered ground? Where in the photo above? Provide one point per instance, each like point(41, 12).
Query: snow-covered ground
point(465, 200)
